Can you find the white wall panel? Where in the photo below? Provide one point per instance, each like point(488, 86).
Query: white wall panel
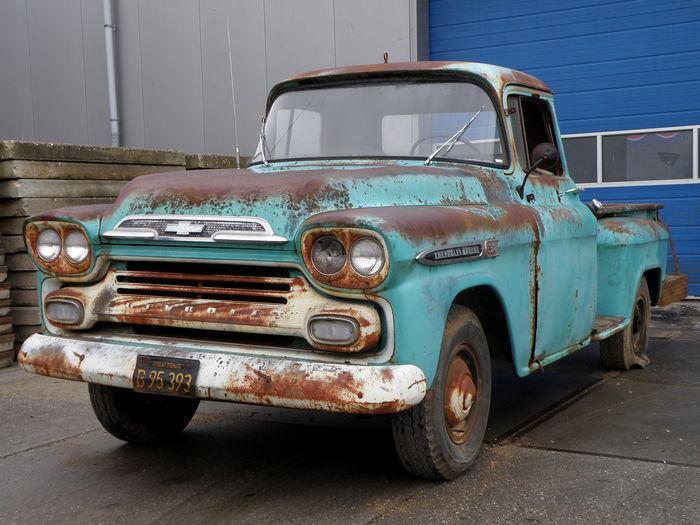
point(57, 71)
point(246, 20)
point(15, 92)
point(173, 112)
point(365, 29)
point(128, 64)
point(172, 64)
point(299, 36)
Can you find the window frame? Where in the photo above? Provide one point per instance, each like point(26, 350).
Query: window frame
point(695, 129)
point(519, 135)
point(415, 79)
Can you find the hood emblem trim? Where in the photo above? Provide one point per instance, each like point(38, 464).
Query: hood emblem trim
point(458, 252)
point(195, 228)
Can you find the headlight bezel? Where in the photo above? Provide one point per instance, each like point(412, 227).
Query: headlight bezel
point(347, 277)
point(62, 264)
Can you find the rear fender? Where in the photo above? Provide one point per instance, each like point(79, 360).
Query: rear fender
point(628, 247)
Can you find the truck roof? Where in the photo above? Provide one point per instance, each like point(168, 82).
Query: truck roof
point(499, 77)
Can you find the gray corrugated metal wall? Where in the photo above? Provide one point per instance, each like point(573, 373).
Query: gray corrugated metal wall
point(172, 58)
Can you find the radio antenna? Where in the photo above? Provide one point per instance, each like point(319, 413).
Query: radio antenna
point(233, 93)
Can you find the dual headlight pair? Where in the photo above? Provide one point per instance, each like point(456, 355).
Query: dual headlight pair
point(59, 247)
point(345, 257)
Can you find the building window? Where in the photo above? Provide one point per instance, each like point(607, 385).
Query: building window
point(666, 154)
point(581, 158)
point(648, 156)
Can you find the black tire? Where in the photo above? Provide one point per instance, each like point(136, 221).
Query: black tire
point(140, 419)
point(427, 443)
point(628, 348)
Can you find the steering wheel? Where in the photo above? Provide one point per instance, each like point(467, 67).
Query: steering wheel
point(441, 136)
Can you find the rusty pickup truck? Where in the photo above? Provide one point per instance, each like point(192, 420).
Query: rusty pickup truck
point(399, 227)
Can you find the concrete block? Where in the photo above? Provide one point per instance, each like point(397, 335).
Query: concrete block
point(30, 206)
point(202, 161)
point(12, 243)
point(6, 358)
point(11, 225)
point(35, 169)
point(23, 297)
point(5, 325)
point(37, 188)
point(22, 280)
point(19, 262)
point(25, 315)
point(14, 149)
point(22, 332)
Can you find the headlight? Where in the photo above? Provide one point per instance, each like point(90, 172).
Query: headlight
point(58, 247)
point(48, 245)
point(76, 246)
point(367, 256)
point(345, 257)
point(328, 255)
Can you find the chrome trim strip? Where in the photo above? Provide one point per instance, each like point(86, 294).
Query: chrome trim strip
point(230, 236)
point(131, 233)
point(266, 236)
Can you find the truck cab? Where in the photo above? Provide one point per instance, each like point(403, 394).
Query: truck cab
point(399, 227)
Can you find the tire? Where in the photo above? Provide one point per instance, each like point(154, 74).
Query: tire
point(430, 439)
point(628, 348)
point(140, 419)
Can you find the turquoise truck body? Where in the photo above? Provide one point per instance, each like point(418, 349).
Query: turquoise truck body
point(544, 270)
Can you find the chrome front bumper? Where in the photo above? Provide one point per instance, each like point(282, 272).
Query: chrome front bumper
point(283, 382)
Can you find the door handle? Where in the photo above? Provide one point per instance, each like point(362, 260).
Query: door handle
point(575, 190)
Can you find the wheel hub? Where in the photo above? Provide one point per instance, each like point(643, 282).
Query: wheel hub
point(460, 395)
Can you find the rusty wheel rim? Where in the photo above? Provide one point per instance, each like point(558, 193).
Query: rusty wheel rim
point(461, 391)
point(639, 324)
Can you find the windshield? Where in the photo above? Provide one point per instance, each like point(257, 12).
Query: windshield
point(404, 120)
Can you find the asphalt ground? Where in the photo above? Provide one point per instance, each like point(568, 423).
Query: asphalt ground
point(574, 444)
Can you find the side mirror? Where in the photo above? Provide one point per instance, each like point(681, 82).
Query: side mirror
point(545, 155)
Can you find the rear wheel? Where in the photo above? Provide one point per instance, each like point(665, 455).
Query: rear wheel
point(441, 437)
point(140, 419)
point(628, 347)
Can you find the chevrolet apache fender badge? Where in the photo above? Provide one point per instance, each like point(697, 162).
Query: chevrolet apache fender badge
point(458, 252)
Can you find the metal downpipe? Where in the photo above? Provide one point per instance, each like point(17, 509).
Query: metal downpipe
point(109, 28)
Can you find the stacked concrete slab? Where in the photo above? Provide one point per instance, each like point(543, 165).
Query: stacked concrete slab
point(7, 337)
point(35, 177)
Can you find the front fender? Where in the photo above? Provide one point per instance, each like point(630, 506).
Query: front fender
point(421, 295)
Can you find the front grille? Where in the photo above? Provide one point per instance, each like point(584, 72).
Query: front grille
point(255, 284)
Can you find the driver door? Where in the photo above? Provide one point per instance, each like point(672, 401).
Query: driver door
point(566, 277)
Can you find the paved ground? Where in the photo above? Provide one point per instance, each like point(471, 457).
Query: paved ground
point(572, 445)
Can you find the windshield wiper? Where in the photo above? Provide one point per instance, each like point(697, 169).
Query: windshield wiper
point(263, 143)
point(454, 138)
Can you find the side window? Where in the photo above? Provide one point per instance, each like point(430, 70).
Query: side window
point(532, 125)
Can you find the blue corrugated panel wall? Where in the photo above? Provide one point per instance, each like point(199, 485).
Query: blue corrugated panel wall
point(613, 66)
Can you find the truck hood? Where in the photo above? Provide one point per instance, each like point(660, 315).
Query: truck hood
point(286, 198)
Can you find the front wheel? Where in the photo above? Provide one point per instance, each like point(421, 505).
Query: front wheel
point(140, 419)
point(441, 437)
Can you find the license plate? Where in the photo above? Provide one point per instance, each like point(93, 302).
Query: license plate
point(168, 376)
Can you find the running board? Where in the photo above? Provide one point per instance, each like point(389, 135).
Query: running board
point(605, 326)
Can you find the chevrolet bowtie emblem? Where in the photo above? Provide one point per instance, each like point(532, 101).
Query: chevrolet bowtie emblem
point(184, 228)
